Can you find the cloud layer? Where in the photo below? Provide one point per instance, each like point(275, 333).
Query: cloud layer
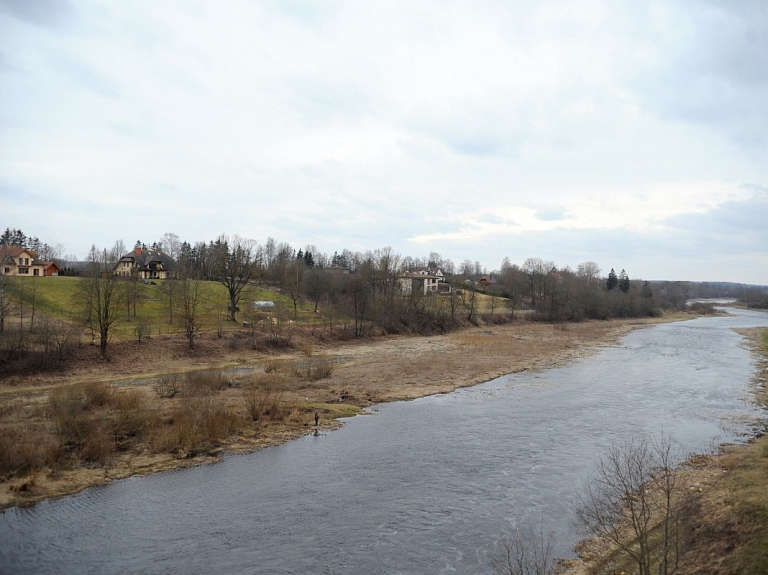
point(631, 135)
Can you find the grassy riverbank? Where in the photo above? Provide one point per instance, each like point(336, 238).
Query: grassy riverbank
point(62, 433)
point(726, 524)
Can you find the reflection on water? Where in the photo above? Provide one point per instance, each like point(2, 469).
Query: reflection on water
point(416, 487)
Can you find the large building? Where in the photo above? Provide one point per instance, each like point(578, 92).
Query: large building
point(24, 263)
point(146, 264)
point(424, 281)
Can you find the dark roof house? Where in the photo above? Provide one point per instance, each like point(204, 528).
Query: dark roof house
point(147, 264)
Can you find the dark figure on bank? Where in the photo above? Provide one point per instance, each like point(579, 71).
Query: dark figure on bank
point(317, 418)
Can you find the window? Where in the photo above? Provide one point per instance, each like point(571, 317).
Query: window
point(26, 261)
point(23, 270)
point(37, 272)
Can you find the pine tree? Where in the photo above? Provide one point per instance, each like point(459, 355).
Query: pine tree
point(646, 290)
point(623, 281)
point(612, 280)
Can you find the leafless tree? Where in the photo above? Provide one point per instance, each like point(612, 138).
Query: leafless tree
point(238, 261)
point(634, 501)
point(190, 299)
point(100, 293)
point(170, 244)
point(526, 552)
point(536, 271)
point(5, 281)
point(589, 272)
point(168, 288)
point(54, 339)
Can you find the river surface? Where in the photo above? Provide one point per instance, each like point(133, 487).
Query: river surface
point(419, 487)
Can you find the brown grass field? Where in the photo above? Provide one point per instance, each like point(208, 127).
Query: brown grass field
point(156, 405)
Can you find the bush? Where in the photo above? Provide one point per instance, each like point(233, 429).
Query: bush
point(167, 385)
point(260, 401)
point(24, 451)
point(319, 369)
point(195, 426)
point(205, 382)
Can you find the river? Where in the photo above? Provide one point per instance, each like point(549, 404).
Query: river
point(419, 487)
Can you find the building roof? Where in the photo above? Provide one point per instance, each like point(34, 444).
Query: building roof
point(15, 251)
point(147, 260)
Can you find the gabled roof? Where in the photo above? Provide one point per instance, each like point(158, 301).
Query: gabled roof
point(15, 251)
point(150, 259)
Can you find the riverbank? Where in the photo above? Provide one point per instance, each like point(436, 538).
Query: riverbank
point(726, 523)
point(89, 427)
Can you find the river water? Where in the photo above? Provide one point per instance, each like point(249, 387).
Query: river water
point(419, 487)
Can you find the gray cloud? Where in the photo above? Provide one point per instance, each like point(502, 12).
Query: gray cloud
point(551, 213)
point(717, 76)
point(39, 12)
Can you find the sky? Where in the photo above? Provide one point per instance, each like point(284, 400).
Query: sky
point(632, 134)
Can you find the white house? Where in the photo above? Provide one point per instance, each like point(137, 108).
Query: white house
point(424, 281)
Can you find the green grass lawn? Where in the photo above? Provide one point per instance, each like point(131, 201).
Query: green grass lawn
point(61, 298)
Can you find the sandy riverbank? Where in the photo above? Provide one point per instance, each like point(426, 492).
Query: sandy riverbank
point(362, 373)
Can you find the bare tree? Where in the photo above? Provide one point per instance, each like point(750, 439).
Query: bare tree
point(527, 552)
point(101, 292)
point(169, 288)
point(238, 260)
point(5, 280)
point(190, 297)
point(634, 502)
point(170, 244)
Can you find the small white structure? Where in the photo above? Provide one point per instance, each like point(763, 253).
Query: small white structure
point(262, 305)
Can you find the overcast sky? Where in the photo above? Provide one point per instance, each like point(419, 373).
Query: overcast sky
point(633, 134)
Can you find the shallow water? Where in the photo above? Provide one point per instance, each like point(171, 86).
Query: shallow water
point(416, 487)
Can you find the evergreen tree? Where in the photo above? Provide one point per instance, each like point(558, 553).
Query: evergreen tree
point(623, 281)
point(612, 280)
point(18, 239)
point(309, 261)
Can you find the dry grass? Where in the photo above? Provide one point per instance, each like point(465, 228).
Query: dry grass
point(265, 400)
point(25, 450)
point(170, 422)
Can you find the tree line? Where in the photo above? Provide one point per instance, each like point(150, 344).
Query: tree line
point(360, 292)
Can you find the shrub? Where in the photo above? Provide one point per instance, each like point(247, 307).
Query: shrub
point(194, 426)
point(23, 451)
point(319, 369)
point(205, 382)
point(143, 329)
point(98, 443)
point(271, 367)
point(167, 385)
point(96, 394)
point(260, 401)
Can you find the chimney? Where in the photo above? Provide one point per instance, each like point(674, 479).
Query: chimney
point(137, 251)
